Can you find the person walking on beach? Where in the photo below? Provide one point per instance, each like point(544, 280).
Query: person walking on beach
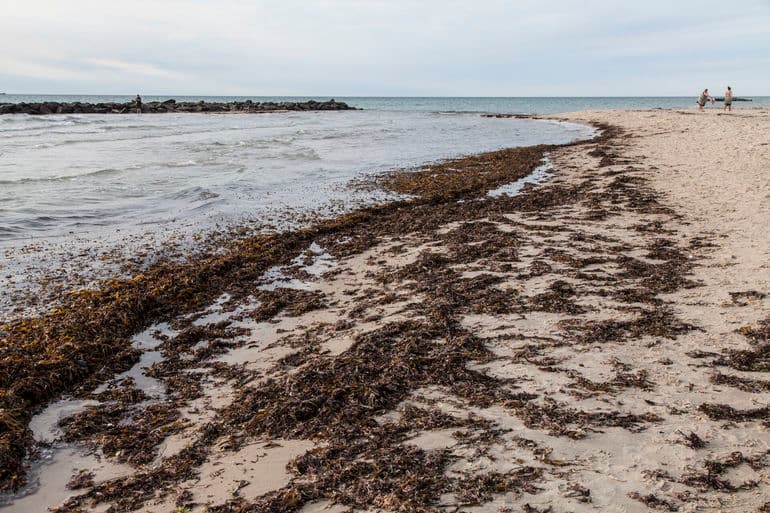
point(729, 99)
point(703, 98)
point(138, 102)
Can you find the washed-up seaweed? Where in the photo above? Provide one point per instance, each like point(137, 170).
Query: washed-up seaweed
point(727, 412)
point(654, 502)
point(558, 299)
point(622, 380)
point(746, 384)
point(655, 322)
point(745, 297)
point(362, 462)
point(692, 440)
point(463, 178)
point(133, 442)
point(41, 358)
point(83, 479)
point(714, 470)
point(482, 488)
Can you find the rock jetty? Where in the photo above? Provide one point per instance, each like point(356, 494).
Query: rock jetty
point(167, 106)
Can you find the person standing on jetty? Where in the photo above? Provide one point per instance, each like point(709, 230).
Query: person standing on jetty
point(138, 102)
point(729, 99)
point(703, 98)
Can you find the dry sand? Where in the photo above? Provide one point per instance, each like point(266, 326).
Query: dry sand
point(567, 445)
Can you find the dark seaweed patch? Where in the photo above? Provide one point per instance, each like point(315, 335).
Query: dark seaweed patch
point(336, 400)
point(711, 478)
point(654, 502)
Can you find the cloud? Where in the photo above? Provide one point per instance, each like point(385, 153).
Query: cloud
point(136, 68)
point(378, 47)
point(38, 69)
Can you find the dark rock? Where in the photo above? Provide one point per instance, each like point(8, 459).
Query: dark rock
point(170, 105)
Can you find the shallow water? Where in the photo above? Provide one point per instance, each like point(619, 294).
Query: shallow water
point(69, 175)
point(57, 462)
point(81, 194)
point(146, 341)
point(538, 176)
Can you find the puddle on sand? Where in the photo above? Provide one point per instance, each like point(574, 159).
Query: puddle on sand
point(58, 462)
point(216, 312)
point(147, 341)
point(49, 477)
point(322, 262)
point(538, 176)
point(258, 355)
point(45, 425)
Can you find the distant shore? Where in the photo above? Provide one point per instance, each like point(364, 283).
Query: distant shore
point(248, 106)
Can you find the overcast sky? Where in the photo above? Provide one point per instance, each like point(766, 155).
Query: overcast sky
point(384, 47)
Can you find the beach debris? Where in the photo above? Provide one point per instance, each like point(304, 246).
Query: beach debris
point(654, 502)
point(711, 478)
point(83, 479)
point(727, 412)
point(692, 440)
point(746, 297)
point(361, 406)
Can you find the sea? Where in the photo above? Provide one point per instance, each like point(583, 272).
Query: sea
point(81, 193)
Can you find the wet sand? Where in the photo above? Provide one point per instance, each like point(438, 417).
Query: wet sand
point(598, 342)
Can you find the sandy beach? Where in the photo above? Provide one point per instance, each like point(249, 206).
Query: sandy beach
point(599, 341)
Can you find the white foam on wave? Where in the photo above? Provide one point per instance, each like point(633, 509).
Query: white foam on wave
point(78, 195)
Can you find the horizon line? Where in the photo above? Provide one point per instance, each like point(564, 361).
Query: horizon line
point(352, 96)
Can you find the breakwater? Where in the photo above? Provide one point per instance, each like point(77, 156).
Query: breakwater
point(170, 105)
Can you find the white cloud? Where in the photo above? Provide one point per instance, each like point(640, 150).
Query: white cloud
point(136, 68)
point(39, 70)
point(432, 47)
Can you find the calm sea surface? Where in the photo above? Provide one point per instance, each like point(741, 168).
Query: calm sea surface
point(68, 174)
point(81, 184)
point(521, 105)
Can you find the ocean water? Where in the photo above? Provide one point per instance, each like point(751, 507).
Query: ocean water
point(80, 194)
point(511, 105)
point(80, 191)
point(67, 175)
point(76, 174)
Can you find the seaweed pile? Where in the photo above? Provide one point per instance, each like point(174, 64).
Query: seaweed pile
point(753, 360)
point(440, 260)
point(87, 337)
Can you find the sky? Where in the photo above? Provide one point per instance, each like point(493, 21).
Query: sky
point(385, 47)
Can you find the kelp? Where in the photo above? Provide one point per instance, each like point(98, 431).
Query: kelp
point(336, 400)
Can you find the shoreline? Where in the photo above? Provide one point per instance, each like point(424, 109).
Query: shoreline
point(51, 261)
point(497, 352)
point(247, 259)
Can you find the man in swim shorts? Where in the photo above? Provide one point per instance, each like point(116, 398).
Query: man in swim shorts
point(138, 102)
point(729, 99)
